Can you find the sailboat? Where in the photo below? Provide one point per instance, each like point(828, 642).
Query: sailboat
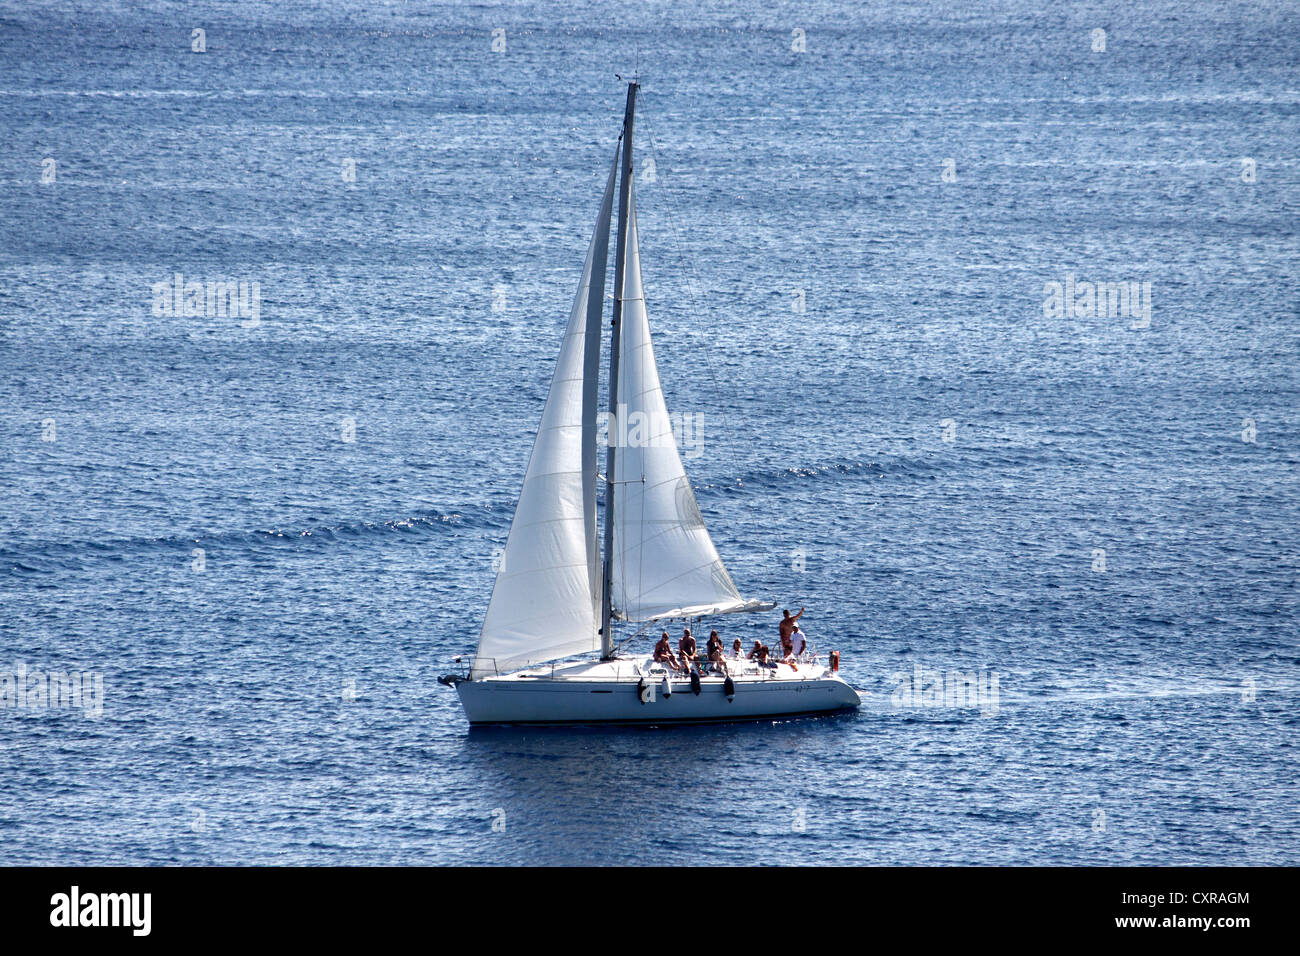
point(546, 652)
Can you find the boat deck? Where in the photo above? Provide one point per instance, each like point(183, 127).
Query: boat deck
point(633, 669)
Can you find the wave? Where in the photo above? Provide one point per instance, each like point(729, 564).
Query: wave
point(843, 469)
point(46, 557)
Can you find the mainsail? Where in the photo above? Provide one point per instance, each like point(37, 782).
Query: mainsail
point(546, 600)
point(664, 562)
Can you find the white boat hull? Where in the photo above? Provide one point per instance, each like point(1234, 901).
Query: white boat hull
point(612, 693)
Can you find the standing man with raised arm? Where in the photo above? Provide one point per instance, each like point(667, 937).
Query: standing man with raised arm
point(787, 629)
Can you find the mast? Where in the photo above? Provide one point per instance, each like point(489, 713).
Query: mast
point(620, 263)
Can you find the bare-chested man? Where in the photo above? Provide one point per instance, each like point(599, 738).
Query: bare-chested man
point(787, 624)
point(687, 649)
point(787, 629)
point(663, 652)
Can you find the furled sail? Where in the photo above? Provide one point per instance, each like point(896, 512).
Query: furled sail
point(546, 600)
point(665, 564)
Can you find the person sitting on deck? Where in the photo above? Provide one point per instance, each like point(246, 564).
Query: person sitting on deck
point(663, 652)
point(737, 649)
point(687, 649)
point(759, 653)
point(713, 651)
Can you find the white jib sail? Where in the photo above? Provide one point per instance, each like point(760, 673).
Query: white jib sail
point(665, 564)
point(546, 600)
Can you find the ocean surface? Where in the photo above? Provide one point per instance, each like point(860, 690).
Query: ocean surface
point(270, 534)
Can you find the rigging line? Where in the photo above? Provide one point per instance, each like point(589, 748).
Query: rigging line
point(692, 280)
point(640, 533)
point(644, 357)
point(620, 460)
point(639, 631)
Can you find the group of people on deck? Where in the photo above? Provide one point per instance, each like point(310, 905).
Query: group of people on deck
point(794, 645)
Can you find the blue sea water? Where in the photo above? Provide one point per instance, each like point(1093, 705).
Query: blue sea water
point(949, 478)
